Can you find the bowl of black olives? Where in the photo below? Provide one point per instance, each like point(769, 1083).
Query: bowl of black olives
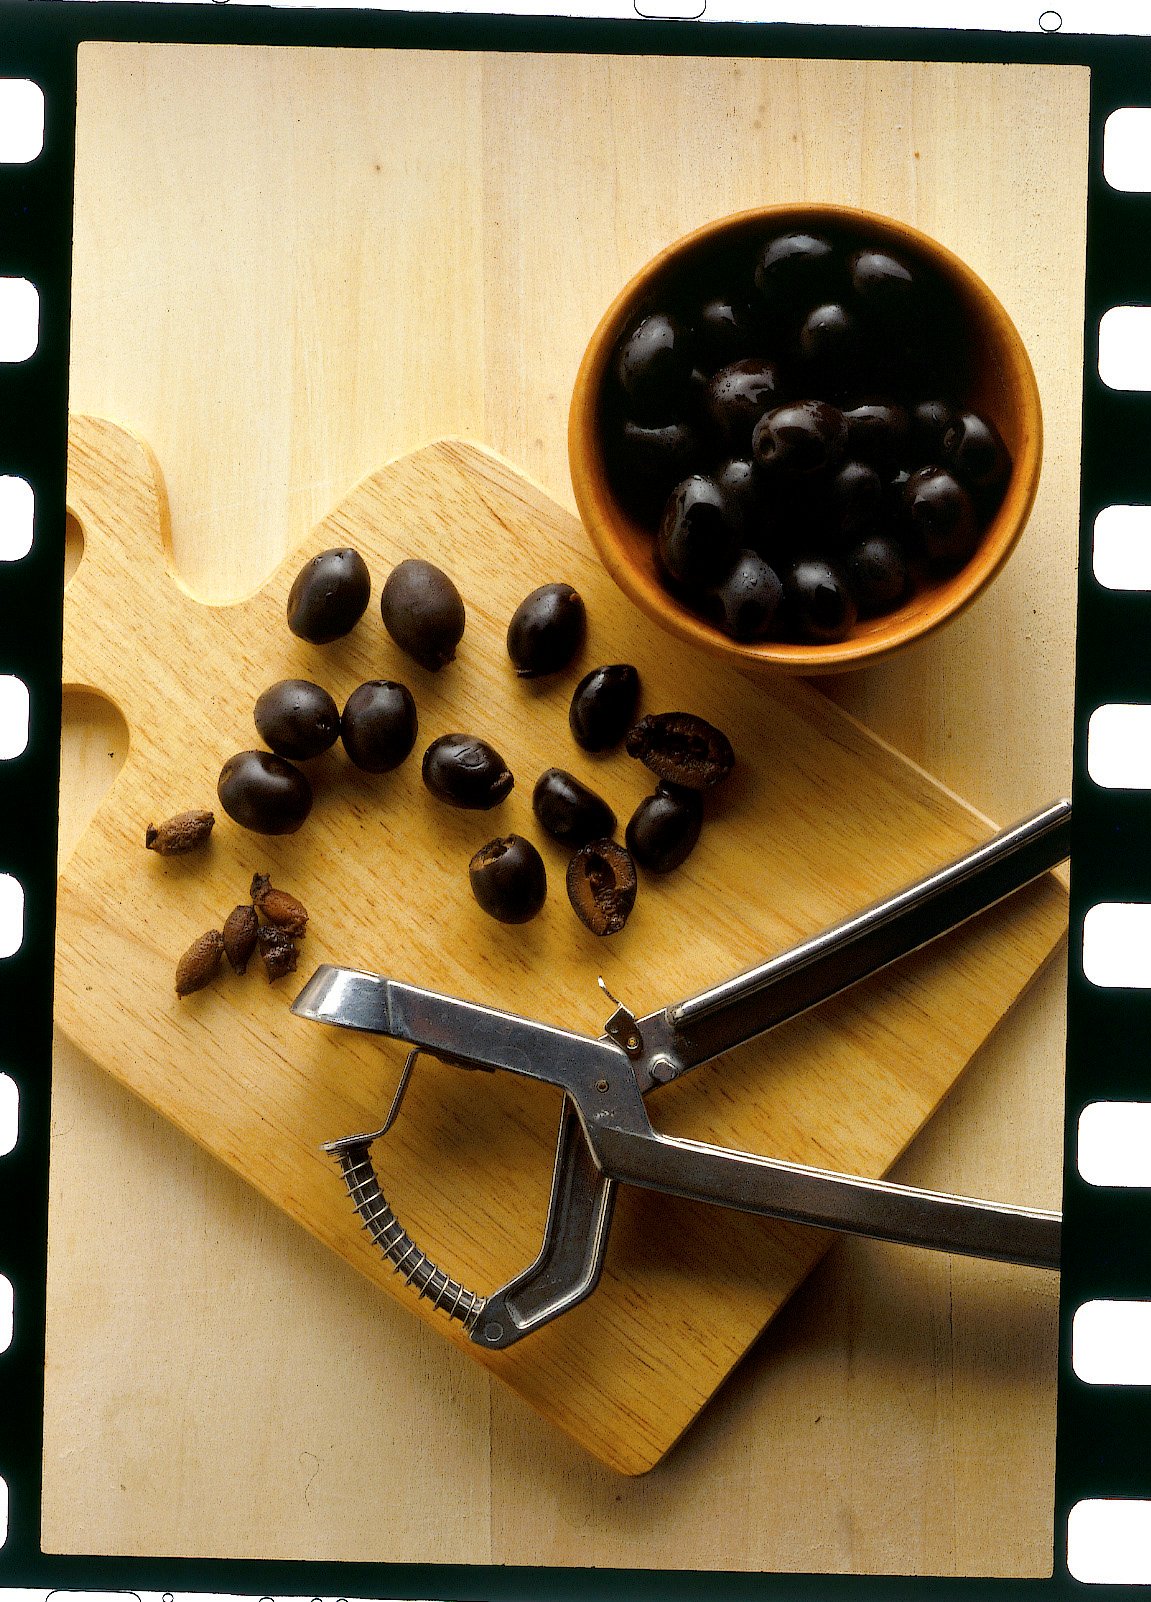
point(805, 436)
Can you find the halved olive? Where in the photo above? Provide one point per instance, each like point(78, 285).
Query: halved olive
point(682, 749)
point(601, 885)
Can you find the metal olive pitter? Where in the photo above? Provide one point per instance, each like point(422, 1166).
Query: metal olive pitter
point(606, 1138)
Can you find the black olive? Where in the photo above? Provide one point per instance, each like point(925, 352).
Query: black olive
point(682, 749)
point(654, 365)
point(877, 572)
point(264, 793)
point(941, 515)
point(725, 329)
point(604, 705)
point(329, 596)
point(466, 772)
point(423, 612)
point(819, 600)
point(508, 879)
point(854, 499)
point(739, 484)
point(647, 462)
point(796, 266)
point(379, 725)
point(698, 533)
point(569, 811)
point(737, 397)
point(801, 438)
point(601, 886)
point(830, 341)
point(546, 630)
point(878, 432)
point(748, 599)
point(885, 285)
point(975, 452)
point(930, 421)
point(664, 828)
point(297, 718)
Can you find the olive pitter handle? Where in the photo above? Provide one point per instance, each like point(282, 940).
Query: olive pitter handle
point(564, 1274)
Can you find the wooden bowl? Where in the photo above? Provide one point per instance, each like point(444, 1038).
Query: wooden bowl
point(999, 383)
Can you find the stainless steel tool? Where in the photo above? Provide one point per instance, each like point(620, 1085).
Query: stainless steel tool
point(605, 1136)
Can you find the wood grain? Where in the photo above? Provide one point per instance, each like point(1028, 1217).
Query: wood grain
point(818, 820)
point(238, 251)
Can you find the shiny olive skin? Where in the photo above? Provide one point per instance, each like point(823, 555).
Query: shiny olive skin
point(546, 630)
point(830, 341)
point(930, 421)
point(648, 461)
point(466, 772)
point(886, 286)
point(569, 811)
point(329, 596)
point(297, 719)
point(796, 265)
point(941, 515)
point(854, 500)
point(724, 330)
point(746, 602)
point(508, 879)
point(819, 600)
point(974, 451)
point(737, 397)
point(379, 725)
point(878, 574)
point(604, 705)
point(263, 792)
point(423, 612)
point(878, 432)
point(663, 830)
point(654, 365)
point(698, 534)
point(801, 438)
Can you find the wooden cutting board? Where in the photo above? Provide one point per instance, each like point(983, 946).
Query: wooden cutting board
point(819, 819)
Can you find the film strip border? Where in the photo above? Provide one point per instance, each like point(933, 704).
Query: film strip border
point(1103, 1493)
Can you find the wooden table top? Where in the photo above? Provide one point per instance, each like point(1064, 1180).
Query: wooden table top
point(289, 268)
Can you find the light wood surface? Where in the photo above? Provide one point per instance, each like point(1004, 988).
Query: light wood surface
point(238, 249)
point(818, 818)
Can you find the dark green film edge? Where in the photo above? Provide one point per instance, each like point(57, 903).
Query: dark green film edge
point(1102, 1445)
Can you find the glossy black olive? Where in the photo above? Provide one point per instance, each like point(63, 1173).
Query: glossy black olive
point(379, 725)
point(739, 484)
point(264, 793)
point(423, 612)
point(699, 534)
point(297, 718)
point(601, 886)
point(797, 266)
point(746, 602)
point(737, 397)
point(941, 515)
point(508, 879)
point(930, 421)
point(569, 811)
point(466, 772)
point(604, 705)
point(831, 343)
point(329, 596)
point(546, 630)
point(854, 500)
point(885, 285)
point(974, 451)
point(725, 329)
point(663, 829)
point(801, 438)
point(877, 572)
point(878, 432)
point(654, 367)
point(682, 749)
point(819, 600)
point(647, 462)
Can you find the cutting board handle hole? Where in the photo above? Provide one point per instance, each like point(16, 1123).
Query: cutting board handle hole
point(73, 546)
